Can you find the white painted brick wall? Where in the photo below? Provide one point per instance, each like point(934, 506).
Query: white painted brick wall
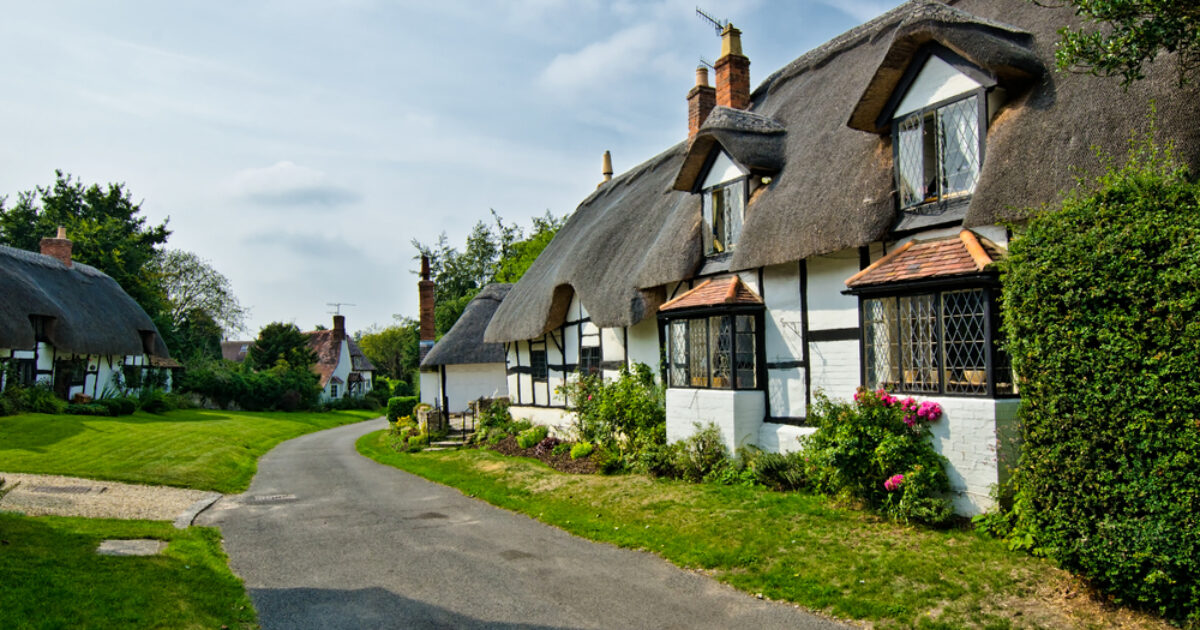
point(835, 368)
point(781, 438)
point(738, 414)
point(966, 435)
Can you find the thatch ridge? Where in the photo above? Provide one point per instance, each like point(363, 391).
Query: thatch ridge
point(835, 188)
point(464, 343)
point(91, 313)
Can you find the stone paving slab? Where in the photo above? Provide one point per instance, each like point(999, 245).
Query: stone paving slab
point(131, 547)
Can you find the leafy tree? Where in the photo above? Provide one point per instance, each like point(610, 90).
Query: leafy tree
point(395, 349)
point(1126, 34)
point(278, 341)
point(105, 226)
point(193, 287)
point(521, 254)
point(195, 338)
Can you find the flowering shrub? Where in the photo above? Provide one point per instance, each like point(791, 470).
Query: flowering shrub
point(876, 448)
point(626, 415)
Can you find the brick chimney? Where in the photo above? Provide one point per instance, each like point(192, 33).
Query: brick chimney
point(58, 247)
point(425, 289)
point(701, 100)
point(733, 71)
point(339, 327)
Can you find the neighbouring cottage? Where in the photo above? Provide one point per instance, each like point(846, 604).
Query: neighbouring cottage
point(835, 227)
point(341, 364)
point(461, 367)
point(71, 327)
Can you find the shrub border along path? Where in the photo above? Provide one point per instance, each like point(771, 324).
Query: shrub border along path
point(785, 546)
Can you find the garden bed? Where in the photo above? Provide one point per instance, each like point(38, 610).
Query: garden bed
point(561, 462)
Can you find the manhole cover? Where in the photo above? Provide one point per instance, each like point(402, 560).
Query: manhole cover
point(64, 489)
point(273, 498)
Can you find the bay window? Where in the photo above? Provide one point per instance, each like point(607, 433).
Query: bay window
point(717, 351)
point(938, 342)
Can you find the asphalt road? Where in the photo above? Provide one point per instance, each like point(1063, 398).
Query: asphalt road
point(326, 538)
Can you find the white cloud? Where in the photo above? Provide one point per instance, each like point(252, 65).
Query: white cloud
point(629, 52)
point(288, 184)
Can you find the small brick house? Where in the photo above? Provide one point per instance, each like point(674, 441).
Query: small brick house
point(343, 368)
point(835, 227)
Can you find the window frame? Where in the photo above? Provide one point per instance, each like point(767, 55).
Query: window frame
point(539, 374)
point(994, 358)
point(706, 315)
point(941, 202)
point(708, 205)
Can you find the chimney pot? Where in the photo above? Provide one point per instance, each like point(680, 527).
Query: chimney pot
point(701, 100)
point(59, 247)
point(608, 170)
point(733, 71)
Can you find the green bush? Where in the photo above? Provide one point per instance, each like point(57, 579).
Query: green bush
point(561, 448)
point(861, 446)
point(399, 406)
point(530, 437)
point(581, 450)
point(281, 388)
point(700, 455)
point(41, 399)
point(365, 402)
point(627, 414)
point(1101, 302)
point(89, 409)
point(779, 471)
point(495, 414)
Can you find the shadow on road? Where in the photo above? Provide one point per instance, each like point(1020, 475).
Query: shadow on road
point(299, 608)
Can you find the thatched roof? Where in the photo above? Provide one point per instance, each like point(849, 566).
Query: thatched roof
point(463, 343)
point(91, 313)
point(754, 141)
point(835, 186)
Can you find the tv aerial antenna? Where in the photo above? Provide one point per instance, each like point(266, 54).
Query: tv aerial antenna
point(337, 306)
point(719, 25)
point(705, 62)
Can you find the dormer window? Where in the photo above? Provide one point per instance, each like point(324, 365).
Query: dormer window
point(938, 130)
point(723, 195)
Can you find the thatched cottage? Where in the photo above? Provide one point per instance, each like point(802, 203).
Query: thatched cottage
point(71, 327)
point(341, 365)
point(461, 367)
point(834, 227)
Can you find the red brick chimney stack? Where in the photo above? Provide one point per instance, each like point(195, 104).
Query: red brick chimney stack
point(733, 71)
point(339, 327)
point(425, 290)
point(59, 247)
point(701, 100)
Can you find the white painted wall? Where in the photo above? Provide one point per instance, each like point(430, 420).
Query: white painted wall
point(643, 344)
point(471, 381)
point(971, 435)
point(827, 307)
point(936, 82)
point(783, 336)
point(559, 420)
point(738, 414)
point(431, 388)
point(722, 170)
point(781, 438)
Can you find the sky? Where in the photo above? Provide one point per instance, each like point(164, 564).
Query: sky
point(300, 146)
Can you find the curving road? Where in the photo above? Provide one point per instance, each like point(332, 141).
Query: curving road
point(326, 538)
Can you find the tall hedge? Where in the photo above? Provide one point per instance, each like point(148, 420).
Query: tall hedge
point(1102, 310)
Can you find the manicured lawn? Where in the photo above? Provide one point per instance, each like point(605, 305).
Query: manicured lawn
point(53, 578)
point(203, 449)
point(786, 546)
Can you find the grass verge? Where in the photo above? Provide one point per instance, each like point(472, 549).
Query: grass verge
point(54, 579)
point(786, 546)
point(193, 448)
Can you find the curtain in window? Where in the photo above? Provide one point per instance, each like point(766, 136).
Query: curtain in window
point(735, 201)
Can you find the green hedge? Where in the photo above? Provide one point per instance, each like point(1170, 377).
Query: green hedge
point(1101, 306)
point(400, 406)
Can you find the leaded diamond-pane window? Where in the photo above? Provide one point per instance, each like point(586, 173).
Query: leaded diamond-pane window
point(938, 153)
point(723, 211)
point(935, 343)
point(713, 351)
point(677, 353)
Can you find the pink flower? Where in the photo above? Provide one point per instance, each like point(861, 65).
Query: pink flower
point(910, 421)
point(893, 483)
point(589, 396)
